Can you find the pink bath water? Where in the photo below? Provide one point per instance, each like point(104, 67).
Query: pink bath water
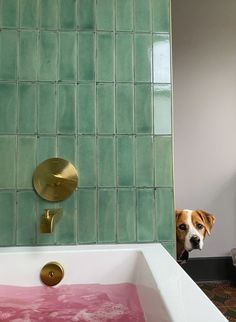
point(83, 303)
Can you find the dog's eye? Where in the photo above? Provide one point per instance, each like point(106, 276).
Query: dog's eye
point(199, 226)
point(182, 227)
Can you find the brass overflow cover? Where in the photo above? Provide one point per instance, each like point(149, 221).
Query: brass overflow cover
point(55, 179)
point(52, 273)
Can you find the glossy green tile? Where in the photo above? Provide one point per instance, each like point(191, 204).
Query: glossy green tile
point(26, 219)
point(8, 108)
point(8, 54)
point(144, 161)
point(162, 109)
point(143, 109)
point(145, 215)
point(143, 58)
point(165, 214)
point(86, 14)
point(163, 161)
point(87, 161)
point(44, 239)
point(28, 55)
point(105, 14)
point(105, 109)
point(27, 108)
point(29, 13)
point(126, 216)
point(67, 14)
point(9, 13)
point(26, 161)
point(105, 57)
point(48, 13)
point(48, 55)
point(124, 57)
point(106, 162)
point(161, 58)
point(68, 56)
point(86, 108)
point(47, 110)
point(161, 19)
point(125, 161)
point(67, 148)
point(46, 148)
point(124, 15)
point(124, 108)
point(106, 215)
point(142, 15)
point(86, 64)
point(87, 217)
point(7, 162)
point(8, 218)
point(66, 110)
point(170, 247)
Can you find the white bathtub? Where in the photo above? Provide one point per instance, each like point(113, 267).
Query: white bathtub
point(166, 292)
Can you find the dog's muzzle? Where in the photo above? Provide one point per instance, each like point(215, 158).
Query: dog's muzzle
point(195, 242)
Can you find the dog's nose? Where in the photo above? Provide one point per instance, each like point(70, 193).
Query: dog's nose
point(195, 241)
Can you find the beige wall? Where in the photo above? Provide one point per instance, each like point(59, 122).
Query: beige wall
point(204, 63)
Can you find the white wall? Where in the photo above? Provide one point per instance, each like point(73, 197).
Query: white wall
point(204, 71)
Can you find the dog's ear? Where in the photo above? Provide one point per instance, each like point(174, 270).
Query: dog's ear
point(208, 220)
point(177, 213)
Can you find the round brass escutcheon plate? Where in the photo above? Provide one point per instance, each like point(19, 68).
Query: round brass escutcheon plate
point(55, 179)
point(52, 273)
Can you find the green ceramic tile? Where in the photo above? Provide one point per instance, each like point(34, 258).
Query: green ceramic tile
point(145, 215)
point(47, 108)
point(142, 65)
point(87, 161)
point(67, 148)
point(28, 55)
point(163, 161)
point(67, 14)
point(27, 108)
point(105, 14)
point(7, 162)
point(142, 15)
point(106, 215)
point(126, 216)
point(105, 109)
point(161, 19)
point(48, 55)
point(65, 228)
point(125, 161)
point(9, 13)
point(48, 14)
point(8, 54)
point(161, 58)
point(86, 108)
point(26, 161)
point(8, 108)
point(86, 67)
point(8, 218)
point(26, 219)
point(144, 161)
point(162, 109)
point(66, 109)
point(124, 57)
point(43, 238)
point(143, 109)
point(124, 15)
point(105, 57)
point(87, 217)
point(86, 14)
point(124, 108)
point(46, 148)
point(170, 247)
point(67, 56)
point(29, 13)
point(106, 162)
point(165, 214)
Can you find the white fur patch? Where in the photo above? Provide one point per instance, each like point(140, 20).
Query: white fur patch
point(192, 231)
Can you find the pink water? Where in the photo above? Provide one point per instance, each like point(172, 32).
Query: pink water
point(83, 303)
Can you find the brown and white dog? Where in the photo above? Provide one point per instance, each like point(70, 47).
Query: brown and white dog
point(191, 229)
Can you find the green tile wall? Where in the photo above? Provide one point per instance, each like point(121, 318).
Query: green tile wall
point(89, 81)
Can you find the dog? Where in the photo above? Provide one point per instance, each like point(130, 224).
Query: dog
point(191, 229)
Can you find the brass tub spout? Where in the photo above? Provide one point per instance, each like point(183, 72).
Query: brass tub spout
point(48, 219)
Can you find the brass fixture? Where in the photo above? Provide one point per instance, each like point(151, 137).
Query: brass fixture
point(55, 179)
point(51, 273)
point(48, 219)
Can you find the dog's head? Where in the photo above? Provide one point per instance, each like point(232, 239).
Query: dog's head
point(191, 229)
